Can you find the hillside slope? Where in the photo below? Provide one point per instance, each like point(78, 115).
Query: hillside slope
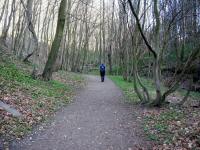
point(35, 100)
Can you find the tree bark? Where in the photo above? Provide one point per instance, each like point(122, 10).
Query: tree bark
point(48, 70)
point(28, 10)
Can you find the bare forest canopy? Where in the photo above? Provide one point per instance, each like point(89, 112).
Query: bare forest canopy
point(158, 39)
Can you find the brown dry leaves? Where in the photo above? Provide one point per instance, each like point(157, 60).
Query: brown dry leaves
point(181, 128)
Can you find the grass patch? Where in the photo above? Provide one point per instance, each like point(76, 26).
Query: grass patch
point(38, 88)
point(128, 89)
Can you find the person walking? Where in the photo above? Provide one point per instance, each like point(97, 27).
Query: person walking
point(102, 72)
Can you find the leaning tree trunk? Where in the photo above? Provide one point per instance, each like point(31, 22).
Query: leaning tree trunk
point(48, 70)
point(28, 11)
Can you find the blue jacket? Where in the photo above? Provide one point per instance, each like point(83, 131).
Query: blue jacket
point(102, 68)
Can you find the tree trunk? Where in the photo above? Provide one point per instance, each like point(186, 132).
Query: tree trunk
point(28, 10)
point(48, 70)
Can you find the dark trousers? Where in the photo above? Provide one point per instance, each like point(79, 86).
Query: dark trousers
point(102, 73)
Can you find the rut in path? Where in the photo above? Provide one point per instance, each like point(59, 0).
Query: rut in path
point(98, 119)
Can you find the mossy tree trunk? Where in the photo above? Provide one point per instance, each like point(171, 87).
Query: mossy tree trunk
point(48, 70)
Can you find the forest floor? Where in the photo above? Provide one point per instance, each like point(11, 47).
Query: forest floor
point(171, 126)
point(97, 119)
point(35, 100)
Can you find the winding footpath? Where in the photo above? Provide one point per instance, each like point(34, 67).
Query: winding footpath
point(97, 119)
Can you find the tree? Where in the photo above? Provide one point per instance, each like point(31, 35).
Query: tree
point(157, 51)
point(28, 10)
point(48, 70)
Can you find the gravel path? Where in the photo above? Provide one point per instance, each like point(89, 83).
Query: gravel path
point(98, 119)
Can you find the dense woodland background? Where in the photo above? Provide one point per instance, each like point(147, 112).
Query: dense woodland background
point(155, 39)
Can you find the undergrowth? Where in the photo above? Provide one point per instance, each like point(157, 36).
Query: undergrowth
point(35, 99)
